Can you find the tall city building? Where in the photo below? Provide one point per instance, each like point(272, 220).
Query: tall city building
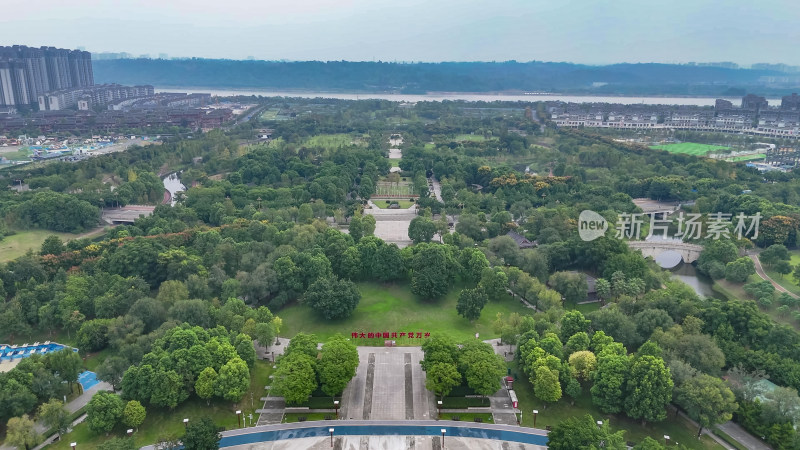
point(27, 72)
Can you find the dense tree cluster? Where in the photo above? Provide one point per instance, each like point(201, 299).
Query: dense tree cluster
point(302, 369)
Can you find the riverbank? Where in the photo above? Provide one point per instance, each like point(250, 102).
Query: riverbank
point(452, 96)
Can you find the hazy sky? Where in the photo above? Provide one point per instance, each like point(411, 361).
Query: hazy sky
point(585, 31)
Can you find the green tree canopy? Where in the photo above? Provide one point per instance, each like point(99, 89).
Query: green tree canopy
point(648, 389)
point(471, 302)
point(333, 298)
point(337, 365)
point(295, 378)
point(103, 411)
point(134, 414)
point(201, 434)
point(707, 400)
point(583, 433)
point(441, 378)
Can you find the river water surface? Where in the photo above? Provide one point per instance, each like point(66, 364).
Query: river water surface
point(467, 96)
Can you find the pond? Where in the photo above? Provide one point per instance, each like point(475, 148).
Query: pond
point(701, 284)
point(173, 184)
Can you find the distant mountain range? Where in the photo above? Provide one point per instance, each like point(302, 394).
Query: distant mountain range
point(416, 78)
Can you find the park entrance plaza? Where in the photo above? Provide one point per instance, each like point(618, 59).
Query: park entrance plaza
point(388, 390)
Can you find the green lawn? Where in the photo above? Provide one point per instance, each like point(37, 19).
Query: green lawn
point(468, 417)
point(19, 155)
point(295, 417)
point(747, 157)
point(464, 402)
point(690, 148)
point(334, 141)
point(161, 422)
point(469, 137)
point(16, 245)
point(678, 430)
point(404, 204)
point(393, 308)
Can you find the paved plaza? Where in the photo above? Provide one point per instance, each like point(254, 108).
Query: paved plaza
point(389, 385)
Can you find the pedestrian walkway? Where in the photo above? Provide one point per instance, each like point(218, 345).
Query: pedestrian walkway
point(741, 436)
point(760, 272)
point(71, 406)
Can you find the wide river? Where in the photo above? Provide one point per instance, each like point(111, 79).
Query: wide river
point(467, 96)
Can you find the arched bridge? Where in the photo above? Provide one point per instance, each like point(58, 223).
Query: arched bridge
point(689, 252)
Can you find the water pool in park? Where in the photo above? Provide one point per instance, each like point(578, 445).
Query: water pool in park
point(384, 430)
point(11, 352)
point(88, 380)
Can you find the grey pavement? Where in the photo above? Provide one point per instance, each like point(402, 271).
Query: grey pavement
point(506, 351)
point(764, 276)
point(433, 183)
point(389, 385)
point(391, 225)
point(502, 411)
point(742, 436)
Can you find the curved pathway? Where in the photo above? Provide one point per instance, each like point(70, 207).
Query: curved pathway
point(764, 276)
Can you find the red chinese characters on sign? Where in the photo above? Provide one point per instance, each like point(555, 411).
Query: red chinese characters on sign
point(388, 334)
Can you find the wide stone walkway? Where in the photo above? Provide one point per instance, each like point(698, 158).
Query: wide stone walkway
point(389, 385)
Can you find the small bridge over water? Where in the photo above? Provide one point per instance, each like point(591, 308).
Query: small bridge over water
point(666, 252)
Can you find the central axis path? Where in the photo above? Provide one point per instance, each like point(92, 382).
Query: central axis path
point(389, 385)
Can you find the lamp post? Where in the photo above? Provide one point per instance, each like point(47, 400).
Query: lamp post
point(535, 413)
point(239, 417)
point(331, 431)
point(336, 407)
point(666, 440)
point(443, 432)
point(186, 423)
point(439, 405)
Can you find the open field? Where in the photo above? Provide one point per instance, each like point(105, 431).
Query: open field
point(678, 430)
point(385, 188)
point(747, 157)
point(16, 245)
point(469, 137)
point(690, 148)
point(334, 141)
point(15, 153)
point(163, 422)
point(393, 308)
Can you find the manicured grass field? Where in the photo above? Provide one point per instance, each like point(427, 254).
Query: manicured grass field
point(162, 422)
point(334, 141)
point(394, 308)
point(747, 157)
point(469, 137)
point(19, 155)
point(16, 245)
point(678, 429)
point(690, 148)
point(381, 203)
point(468, 417)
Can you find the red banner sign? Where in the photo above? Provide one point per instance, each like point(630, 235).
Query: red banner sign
point(389, 335)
